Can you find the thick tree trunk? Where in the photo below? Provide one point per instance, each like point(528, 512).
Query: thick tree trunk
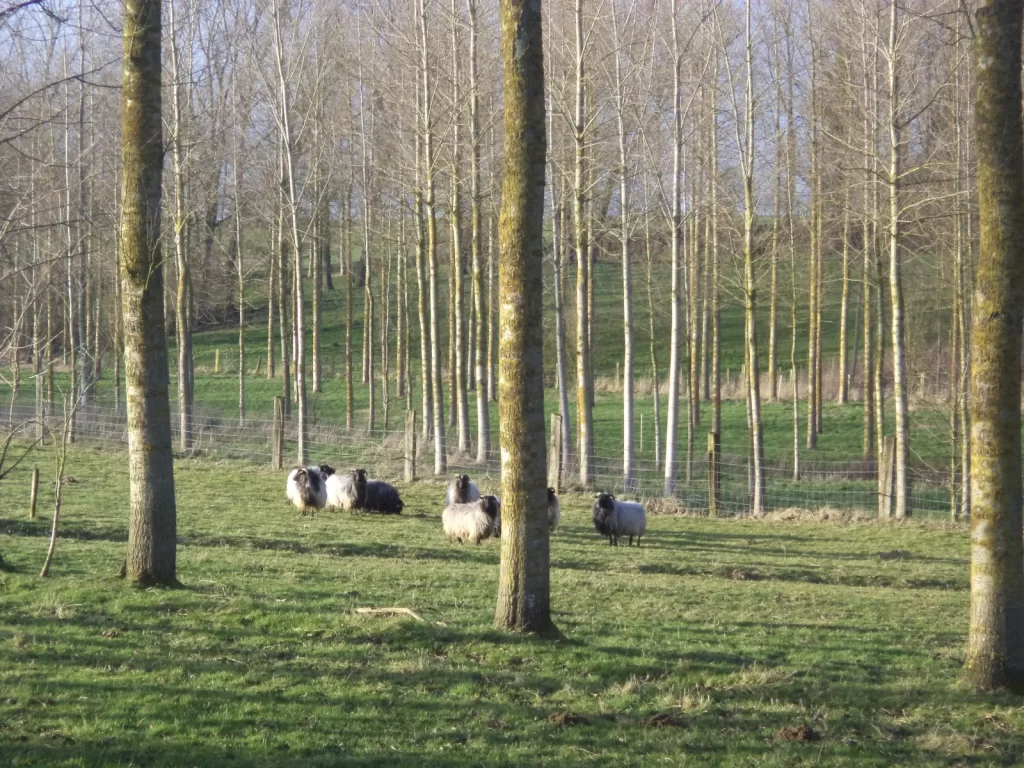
point(152, 530)
point(995, 647)
point(524, 582)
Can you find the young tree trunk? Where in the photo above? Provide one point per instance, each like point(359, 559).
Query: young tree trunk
point(440, 451)
point(584, 372)
point(152, 530)
point(524, 581)
point(182, 318)
point(627, 279)
point(483, 419)
point(426, 345)
point(561, 349)
point(867, 288)
point(899, 348)
point(240, 271)
point(349, 268)
point(293, 206)
point(284, 285)
point(844, 372)
point(995, 646)
point(461, 404)
point(271, 304)
point(675, 350)
point(655, 379)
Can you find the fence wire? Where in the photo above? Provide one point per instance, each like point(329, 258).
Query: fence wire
point(850, 486)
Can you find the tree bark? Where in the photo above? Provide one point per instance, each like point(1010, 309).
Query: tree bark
point(995, 647)
point(152, 530)
point(524, 581)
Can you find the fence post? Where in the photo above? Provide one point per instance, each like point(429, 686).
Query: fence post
point(555, 453)
point(886, 477)
point(35, 493)
point(714, 473)
point(278, 432)
point(410, 446)
point(216, 361)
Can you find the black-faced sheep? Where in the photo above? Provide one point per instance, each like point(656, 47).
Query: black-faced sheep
point(554, 514)
point(613, 518)
point(461, 490)
point(473, 521)
point(347, 490)
point(307, 489)
point(383, 498)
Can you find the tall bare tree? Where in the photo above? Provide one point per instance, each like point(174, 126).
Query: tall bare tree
point(152, 530)
point(524, 601)
point(995, 646)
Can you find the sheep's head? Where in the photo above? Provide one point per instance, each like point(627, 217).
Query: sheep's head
point(357, 478)
point(551, 496)
point(603, 510)
point(492, 508)
point(326, 470)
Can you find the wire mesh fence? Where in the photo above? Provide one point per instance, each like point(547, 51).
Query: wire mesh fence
point(850, 486)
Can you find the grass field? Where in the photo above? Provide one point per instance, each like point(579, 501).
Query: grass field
point(710, 645)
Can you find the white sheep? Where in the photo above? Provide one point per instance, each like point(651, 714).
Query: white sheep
point(307, 488)
point(613, 518)
point(473, 521)
point(348, 490)
point(461, 490)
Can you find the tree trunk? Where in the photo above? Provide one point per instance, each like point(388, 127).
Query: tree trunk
point(995, 647)
point(524, 583)
point(675, 350)
point(461, 403)
point(440, 451)
point(483, 419)
point(152, 530)
point(844, 372)
point(899, 348)
point(584, 372)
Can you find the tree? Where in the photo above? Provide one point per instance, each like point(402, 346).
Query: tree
point(995, 647)
point(152, 531)
point(524, 580)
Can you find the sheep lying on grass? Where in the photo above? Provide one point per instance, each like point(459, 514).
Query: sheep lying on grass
point(347, 490)
point(307, 488)
point(472, 521)
point(614, 518)
point(382, 497)
point(461, 490)
point(554, 514)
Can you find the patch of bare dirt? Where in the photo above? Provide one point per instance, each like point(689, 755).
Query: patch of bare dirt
point(662, 720)
point(566, 719)
point(797, 733)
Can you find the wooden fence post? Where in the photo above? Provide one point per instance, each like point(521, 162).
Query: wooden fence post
point(35, 494)
point(410, 446)
point(886, 477)
point(714, 473)
point(555, 453)
point(278, 432)
point(216, 361)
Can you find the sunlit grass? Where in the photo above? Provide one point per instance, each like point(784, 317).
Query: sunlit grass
point(696, 648)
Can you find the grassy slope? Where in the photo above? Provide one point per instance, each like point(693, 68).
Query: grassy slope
point(736, 628)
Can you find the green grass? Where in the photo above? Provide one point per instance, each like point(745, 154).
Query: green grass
point(734, 628)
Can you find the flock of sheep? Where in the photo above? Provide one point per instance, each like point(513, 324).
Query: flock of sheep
point(467, 517)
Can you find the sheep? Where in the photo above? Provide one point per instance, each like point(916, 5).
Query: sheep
point(347, 491)
point(554, 511)
point(614, 518)
point(554, 514)
point(382, 497)
point(306, 487)
point(461, 490)
point(472, 521)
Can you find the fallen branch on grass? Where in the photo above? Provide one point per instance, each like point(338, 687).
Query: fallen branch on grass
point(392, 612)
